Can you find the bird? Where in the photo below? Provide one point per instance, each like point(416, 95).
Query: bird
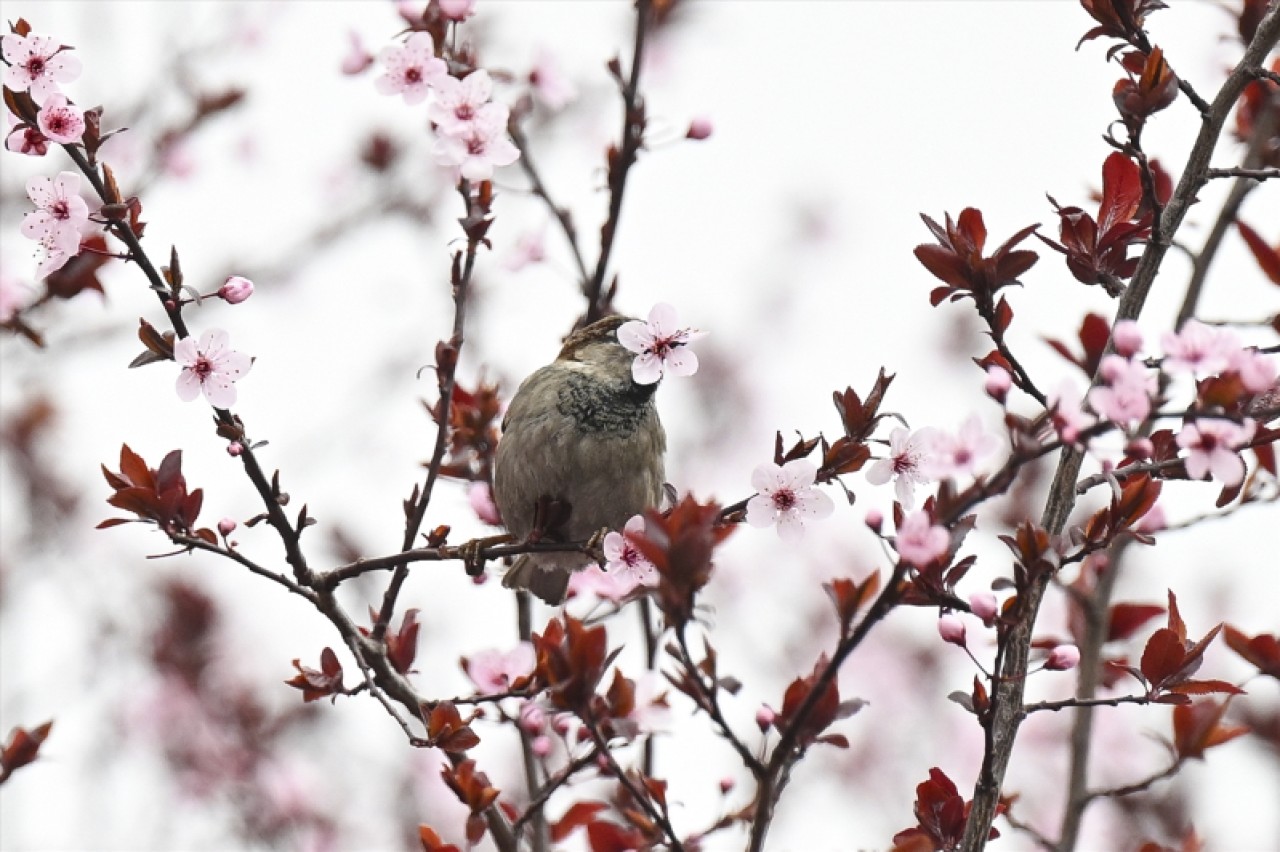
point(582, 434)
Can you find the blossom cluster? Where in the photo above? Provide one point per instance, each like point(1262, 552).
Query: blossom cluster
point(471, 128)
point(36, 65)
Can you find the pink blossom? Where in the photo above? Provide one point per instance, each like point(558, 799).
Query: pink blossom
point(1153, 521)
point(541, 746)
point(605, 585)
point(358, 57)
point(955, 455)
point(550, 84)
point(1069, 417)
point(1062, 658)
point(209, 366)
point(533, 717)
point(984, 606)
point(1126, 397)
point(13, 294)
point(726, 785)
point(661, 346)
point(59, 206)
point(55, 247)
point(920, 541)
point(493, 672)
point(622, 555)
point(874, 519)
point(787, 498)
point(1198, 348)
point(25, 139)
point(457, 10)
point(235, 289)
point(234, 449)
point(480, 496)
point(699, 129)
point(478, 146)
point(765, 717)
point(412, 68)
point(227, 526)
point(60, 121)
point(951, 629)
point(530, 248)
point(908, 454)
point(1257, 371)
point(1127, 338)
point(37, 64)
point(459, 103)
point(1211, 447)
point(998, 383)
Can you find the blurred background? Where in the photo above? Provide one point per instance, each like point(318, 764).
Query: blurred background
point(786, 235)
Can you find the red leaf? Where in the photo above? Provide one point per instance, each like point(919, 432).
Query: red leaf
point(1126, 618)
point(1268, 258)
point(580, 814)
point(1121, 191)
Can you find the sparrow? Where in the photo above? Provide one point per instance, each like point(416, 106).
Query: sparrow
point(580, 434)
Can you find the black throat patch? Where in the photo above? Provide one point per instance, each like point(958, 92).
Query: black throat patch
point(601, 407)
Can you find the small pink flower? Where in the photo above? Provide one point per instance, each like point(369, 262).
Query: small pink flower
point(1257, 371)
point(1127, 338)
point(1153, 521)
point(1062, 658)
point(1211, 449)
point(25, 139)
point(60, 121)
point(234, 449)
point(235, 290)
point(530, 248)
point(1126, 397)
point(358, 58)
point(480, 496)
point(478, 146)
point(412, 68)
point(919, 541)
point(957, 455)
point(226, 526)
point(699, 129)
point(984, 606)
point(550, 84)
point(787, 498)
point(210, 367)
point(951, 629)
point(493, 671)
point(59, 206)
point(998, 383)
point(13, 295)
point(661, 345)
point(459, 103)
point(908, 455)
point(37, 64)
point(457, 10)
point(1069, 417)
point(622, 556)
point(1198, 348)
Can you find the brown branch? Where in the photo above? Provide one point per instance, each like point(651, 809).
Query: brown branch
point(1006, 698)
point(540, 189)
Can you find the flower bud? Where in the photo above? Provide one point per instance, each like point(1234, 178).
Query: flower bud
point(226, 526)
point(726, 784)
point(1127, 338)
point(983, 605)
point(457, 10)
point(699, 129)
point(998, 383)
point(875, 519)
point(235, 448)
point(542, 745)
point(764, 717)
point(951, 629)
point(235, 290)
point(1062, 658)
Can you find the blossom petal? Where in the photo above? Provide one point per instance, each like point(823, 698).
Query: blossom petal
point(219, 390)
point(663, 319)
point(188, 385)
point(790, 528)
point(815, 504)
point(646, 369)
point(682, 362)
point(760, 511)
point(767, 478)
point(635, 336)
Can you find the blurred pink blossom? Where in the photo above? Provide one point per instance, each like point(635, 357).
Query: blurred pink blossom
point(1211, 449)
point(1198, 348)
point(1069, 417)
point(358, 57)
point(1062, 658)
point(1257, 371)
point(919, 541)
point(1125, 399)
point(955, 455)
point(530, 248)
point(998, 383)
point(1127, 337)
point(494, 671)
point(480, 496)
point(457, 10)
point(550, 84)
point(699, 129)
point(13, 294)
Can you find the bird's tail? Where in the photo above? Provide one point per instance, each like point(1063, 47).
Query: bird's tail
point(548, 581)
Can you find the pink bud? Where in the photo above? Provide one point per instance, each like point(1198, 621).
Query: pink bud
point(765, 717)
point(457, 10)
point(480, 496)
point(542, 746)
point(1140, 448)
point(998, 383)
point(480, 579)
point(236, 290)
point(951, 629)
point(1127, 338)
point(561, 724)
point(357, 58)
point(699, 129)
point(726, 784)
point(226, 526)
point(1153, 521)
point(983, 605)
point(1062, 658)
point(875, 519)
point(533, 719)
point(235, 448)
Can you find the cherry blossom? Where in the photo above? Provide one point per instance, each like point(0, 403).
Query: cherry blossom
point(919, 541)
point(622, 555)
point(459, 103)
point(908, 455)
point(984, 606)
point(953, 455)
point(951, 629)
point(59, 206)
point(478, 146)
point(1198, 348)
point(358, 57)
point(13, 295)
point(787, 497)
point(412, 68)
point(209, 366)
point(550, 84)
point(699, 129)
point(1257, 371)
point(480, 496)
point(235, 289)
point(457, 10)
point(1211, 449)
point(55, 247)
point(493, 671)
point(1069, 417)
point(1062, 658)
point(998, 383)
point(37, 64)
point(530, 248)
point(1127, 338)
point(661, 345)
point(60, 121)
point(1126, 397)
